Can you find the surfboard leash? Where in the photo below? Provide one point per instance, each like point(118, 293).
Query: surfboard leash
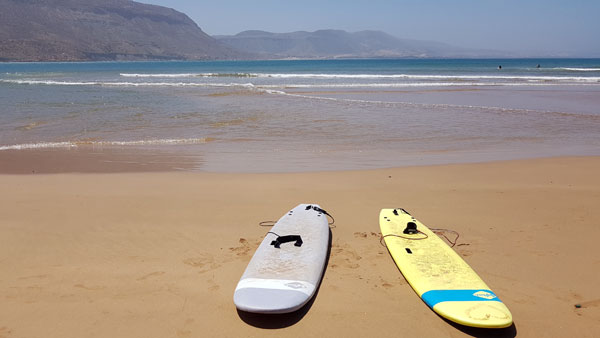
point(324, 212)
point(405, 237)
point(441, 232)
point(413, 230)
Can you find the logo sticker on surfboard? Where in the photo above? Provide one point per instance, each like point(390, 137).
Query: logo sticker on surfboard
point(484, 294)
point(296, 285)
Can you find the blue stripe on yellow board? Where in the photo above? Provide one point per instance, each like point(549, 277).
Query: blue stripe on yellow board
point(432, 297)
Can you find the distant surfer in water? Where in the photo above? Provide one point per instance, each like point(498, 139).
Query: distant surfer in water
point(538, 66)
point(500, 67)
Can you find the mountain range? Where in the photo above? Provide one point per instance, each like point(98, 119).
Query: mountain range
point(96, 30)
point(332, 43)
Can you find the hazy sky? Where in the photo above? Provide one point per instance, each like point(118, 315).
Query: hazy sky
point(529, 26)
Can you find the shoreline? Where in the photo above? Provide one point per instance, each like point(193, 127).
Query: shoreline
point(92, 160)
point(158, 254)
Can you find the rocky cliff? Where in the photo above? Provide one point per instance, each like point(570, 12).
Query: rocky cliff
point(92, 30)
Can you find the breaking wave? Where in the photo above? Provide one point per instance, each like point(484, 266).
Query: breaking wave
point(252, 86)
point(188, 75)
point(523, 78)
point(75, 144)
point(316, 80)
point(125, 84)
point(578, 69)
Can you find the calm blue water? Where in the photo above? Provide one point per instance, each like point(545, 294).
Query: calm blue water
point(525, 67)
point(289, 115)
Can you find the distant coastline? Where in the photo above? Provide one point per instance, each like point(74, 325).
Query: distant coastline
point(122, 30)
point(541, 59)
point(97, 30)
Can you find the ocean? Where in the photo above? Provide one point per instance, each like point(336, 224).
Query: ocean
point(306, 115)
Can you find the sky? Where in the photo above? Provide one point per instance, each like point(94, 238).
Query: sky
point(525, 27)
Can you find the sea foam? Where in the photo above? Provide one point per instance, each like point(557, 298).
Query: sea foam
point(75, 144)
point(125, 84)
point(578, 69)
point(375, 76)
point(187, 75)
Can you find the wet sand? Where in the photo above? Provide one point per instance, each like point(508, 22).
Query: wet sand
point(158, 254)
point(92, 160)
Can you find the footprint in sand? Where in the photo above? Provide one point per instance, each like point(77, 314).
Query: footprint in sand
point(5, 332)
point(152, 274)
point(34, 277)
point(360, 234)
point(241, 250)
point(213, 286)
point(245, 248)
point(205, 262)
point(386, 285)
point(200, 261)
point(91, 288)
point(184, 331)
point(344, 256)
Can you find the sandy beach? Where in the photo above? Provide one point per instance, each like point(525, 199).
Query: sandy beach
point(158, 254)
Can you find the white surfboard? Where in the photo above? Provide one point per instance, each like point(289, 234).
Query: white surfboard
point(287, 267)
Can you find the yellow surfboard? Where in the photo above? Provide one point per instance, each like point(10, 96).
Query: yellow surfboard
point(443, 280)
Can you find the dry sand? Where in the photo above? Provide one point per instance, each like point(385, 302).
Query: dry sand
point(159, 254)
